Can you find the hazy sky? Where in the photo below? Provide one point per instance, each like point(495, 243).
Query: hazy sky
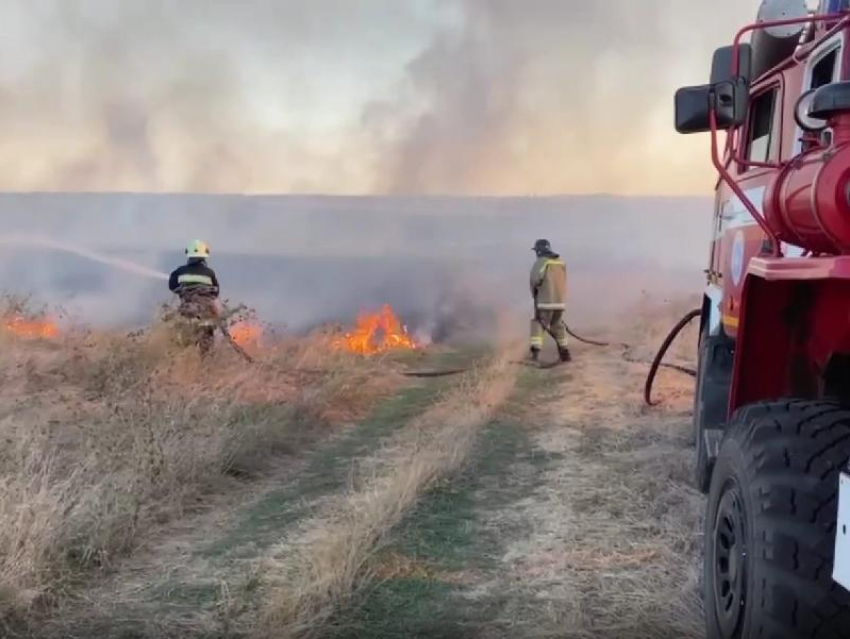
point(355, 96)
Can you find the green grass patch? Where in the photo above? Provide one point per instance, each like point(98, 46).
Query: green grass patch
point(410, 608)
point(446, 529)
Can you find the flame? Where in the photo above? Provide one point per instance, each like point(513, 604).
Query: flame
point(376, 333)
point(246, 333)
point(28, 328)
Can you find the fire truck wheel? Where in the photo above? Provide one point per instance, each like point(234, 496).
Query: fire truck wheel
point(770, 524)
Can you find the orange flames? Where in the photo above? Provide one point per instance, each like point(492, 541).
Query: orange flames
point(246, 333)
point(33, 329)
point(376, 333)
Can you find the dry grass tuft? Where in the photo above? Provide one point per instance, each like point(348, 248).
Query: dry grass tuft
point(315, 579)
point(107, 435)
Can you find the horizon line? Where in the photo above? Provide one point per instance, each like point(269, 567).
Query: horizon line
point(355, 196)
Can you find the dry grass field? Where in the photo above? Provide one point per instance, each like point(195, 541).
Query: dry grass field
point(318, 493)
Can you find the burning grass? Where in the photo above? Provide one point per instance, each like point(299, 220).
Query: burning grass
point(21, 327)
point(247, 334)
point(19, 319)
point(374, 333)
point(107, 435)
point(312, 582)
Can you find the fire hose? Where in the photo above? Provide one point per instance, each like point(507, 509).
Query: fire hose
point(233, 344)
point(656, 364)
point(427, 374)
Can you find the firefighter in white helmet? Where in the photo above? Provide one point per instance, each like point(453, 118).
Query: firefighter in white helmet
point(549, 290)
point(197, 286)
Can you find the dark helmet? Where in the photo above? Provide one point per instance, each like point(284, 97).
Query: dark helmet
point(541, 247)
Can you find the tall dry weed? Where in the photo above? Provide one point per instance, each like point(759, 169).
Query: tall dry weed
point(107, 436)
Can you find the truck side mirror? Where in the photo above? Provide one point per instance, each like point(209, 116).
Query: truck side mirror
point(728, 100)
point(721, 64)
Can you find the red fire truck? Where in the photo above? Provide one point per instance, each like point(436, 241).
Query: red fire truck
point(772, 401)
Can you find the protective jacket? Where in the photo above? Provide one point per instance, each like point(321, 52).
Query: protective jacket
point(195, 274)
point(549, 283)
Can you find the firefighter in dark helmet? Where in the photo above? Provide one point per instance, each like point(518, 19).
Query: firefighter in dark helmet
point(549, 289)
point(197, 286)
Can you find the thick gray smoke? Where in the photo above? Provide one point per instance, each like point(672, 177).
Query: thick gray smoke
point(441, 97)
point(553, 96)
point(321, 96)
point(450, 266)
point(519, 82)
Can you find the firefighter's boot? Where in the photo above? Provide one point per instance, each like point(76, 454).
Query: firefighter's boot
point(534, 354)
point(565, 354)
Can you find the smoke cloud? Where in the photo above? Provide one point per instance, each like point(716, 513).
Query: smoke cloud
point(440, 96)
point(417, 102)
point(449, 266)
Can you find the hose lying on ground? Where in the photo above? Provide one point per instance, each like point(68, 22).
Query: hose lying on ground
point(627, 348)
point(659, 357)
point(445, 373)
point(584, 339)
point(650, 379)
point(656, 363)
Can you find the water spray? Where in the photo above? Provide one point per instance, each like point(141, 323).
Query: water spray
point(44, 242)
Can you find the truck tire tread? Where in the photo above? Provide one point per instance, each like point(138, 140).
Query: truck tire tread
point(793, 452)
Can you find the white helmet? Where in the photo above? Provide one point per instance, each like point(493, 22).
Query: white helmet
point(198, 249)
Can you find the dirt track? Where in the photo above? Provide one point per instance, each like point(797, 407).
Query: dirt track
point(573, 518)
point(611, 525)
point(576, 520)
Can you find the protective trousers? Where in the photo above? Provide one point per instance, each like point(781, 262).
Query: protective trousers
point(201, 313)
point(553, 321)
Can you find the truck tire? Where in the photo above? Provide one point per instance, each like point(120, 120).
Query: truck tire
point(711, 401)
point(770, 524)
